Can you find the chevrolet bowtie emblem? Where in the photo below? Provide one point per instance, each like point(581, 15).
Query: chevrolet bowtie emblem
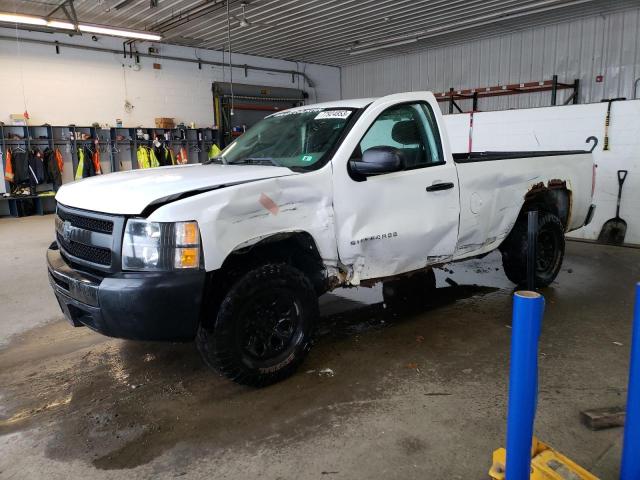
point(66, 230)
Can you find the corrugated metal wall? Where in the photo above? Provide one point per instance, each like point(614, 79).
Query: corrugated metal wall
point(607, 45)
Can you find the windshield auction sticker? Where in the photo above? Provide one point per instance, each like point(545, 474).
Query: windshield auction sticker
point(333, 114)
point(295, 112)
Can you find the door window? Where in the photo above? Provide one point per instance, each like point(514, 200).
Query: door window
point(412, 129)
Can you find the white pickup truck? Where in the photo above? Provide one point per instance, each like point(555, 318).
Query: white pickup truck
point(235, 253)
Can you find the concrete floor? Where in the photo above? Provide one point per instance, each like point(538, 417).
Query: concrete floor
point(418, 395)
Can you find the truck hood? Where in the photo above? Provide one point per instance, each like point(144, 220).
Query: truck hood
point(130, 192)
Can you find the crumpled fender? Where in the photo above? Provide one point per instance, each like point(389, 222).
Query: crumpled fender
point(240, 215)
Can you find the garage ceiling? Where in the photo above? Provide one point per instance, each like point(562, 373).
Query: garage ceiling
point(332, 32)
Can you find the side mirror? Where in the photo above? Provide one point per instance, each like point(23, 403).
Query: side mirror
point(378, 160)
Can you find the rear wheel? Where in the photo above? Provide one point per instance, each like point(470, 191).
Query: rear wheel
point(262, 329)
point(549, 250)
point(410, 290)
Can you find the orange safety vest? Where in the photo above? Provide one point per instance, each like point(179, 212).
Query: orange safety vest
point(59, 160)
point(96, 162)
point(8, 169)
point(182, 157)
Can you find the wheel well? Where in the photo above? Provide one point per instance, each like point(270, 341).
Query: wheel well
point(297, 249)
point(554, 198)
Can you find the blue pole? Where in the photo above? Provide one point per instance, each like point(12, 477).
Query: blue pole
point(630, 469)
point(523, 382)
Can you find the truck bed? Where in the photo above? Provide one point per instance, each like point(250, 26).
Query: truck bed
point(492, 193)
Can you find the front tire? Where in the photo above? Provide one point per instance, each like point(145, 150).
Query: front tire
point(549, 251)
point(262, 330)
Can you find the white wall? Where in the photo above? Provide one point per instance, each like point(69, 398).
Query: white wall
point(583, 48)
point(566, 128)
point(83, 87)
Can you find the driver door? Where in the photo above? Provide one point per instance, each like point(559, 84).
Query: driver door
point(404, 220)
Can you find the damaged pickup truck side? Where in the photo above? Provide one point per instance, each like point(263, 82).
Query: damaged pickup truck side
point(234, 253)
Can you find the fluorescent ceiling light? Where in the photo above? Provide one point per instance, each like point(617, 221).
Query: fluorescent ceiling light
point(355, 51)
point(62, 25)
point(25, 19)
point(119, 33)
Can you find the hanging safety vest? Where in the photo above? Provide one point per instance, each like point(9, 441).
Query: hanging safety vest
point(153, 158)
point(59, 159)
point(80, 167)
point(96, 162)
point(182, 157)
point(143, 157)
point(214, 151)
point(8, 169)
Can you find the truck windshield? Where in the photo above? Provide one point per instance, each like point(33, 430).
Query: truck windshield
point(293, 139)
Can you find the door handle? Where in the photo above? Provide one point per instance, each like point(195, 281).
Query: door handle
point(440, 186)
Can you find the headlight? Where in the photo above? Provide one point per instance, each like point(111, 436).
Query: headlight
point(154, 246)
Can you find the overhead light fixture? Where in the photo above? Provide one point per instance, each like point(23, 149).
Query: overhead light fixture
point(83, 27)
point(25, 19)
point(116, 32)
point(60, 25)
point(37, 21)
point(357, 51)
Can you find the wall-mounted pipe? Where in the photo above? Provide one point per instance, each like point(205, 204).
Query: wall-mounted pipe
point(162, 57)
point(635, 88)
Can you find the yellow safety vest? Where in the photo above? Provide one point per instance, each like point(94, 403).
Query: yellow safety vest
point(214, 151)
point(143, 157)
point(153, 160)
point(80, 168)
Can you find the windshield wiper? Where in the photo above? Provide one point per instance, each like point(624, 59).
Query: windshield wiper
point(256, 161)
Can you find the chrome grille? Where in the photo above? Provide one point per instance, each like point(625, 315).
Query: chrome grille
point(89, 238)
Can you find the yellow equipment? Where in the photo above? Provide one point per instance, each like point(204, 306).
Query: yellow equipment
point(546, 464)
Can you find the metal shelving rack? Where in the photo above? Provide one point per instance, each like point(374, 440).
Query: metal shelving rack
point(475, 94)
point(30, 136)
point(196, 140)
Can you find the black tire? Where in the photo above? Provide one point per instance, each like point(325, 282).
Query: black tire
point(409, 291)
point(549, 253)
point(262, 330)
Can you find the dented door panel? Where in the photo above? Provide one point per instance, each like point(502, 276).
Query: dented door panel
point(395, 225)
point(390, 224)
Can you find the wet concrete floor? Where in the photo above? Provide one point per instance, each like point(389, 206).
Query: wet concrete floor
point(418, 394)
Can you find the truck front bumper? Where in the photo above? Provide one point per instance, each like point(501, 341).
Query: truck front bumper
point(137, 306)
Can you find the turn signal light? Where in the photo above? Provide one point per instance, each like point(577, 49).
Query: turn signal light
point(187, 257)
point(187, 233)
